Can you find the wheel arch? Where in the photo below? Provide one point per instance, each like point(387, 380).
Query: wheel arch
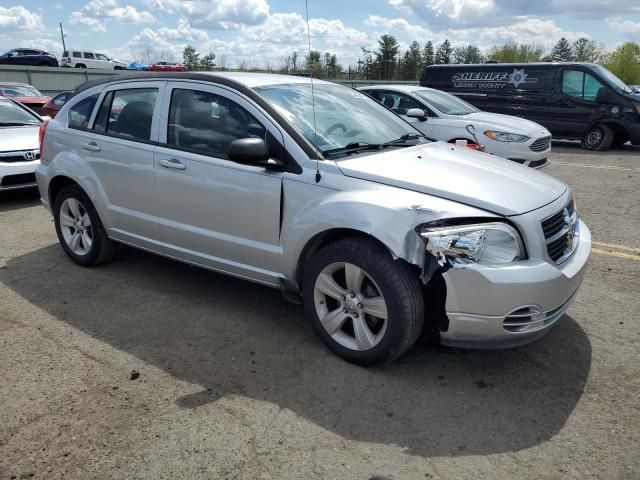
point(57, 183)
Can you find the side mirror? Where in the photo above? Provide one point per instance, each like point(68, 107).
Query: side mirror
point(417, 113)
point(605, 95)
point(251, 151)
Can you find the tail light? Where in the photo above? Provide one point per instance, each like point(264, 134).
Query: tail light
point(43, 129)
point(68, 60)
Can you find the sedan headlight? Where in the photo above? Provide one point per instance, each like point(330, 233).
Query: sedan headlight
point(505, 136)
point(485, 243)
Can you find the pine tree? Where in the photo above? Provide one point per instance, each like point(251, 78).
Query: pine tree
point(443, 55)
point(562, 51)
point(585, 50)
point(191, 58)
point(427, 54)
point(415, 61)
point(386, 56)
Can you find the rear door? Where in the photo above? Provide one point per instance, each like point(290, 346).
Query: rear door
point(216, 212)
point(119, 148)
point(89, 60)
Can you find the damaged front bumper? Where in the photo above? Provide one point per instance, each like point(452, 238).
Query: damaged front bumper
point(490, 307)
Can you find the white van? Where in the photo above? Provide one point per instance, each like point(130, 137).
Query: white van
point(85, 59)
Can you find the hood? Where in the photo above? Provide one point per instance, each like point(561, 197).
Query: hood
point(459, 174)
point(19, 138)
point(31, 100)
point(507, 123)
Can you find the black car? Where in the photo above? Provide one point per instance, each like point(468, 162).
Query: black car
point(28, 56)
point(581, 101)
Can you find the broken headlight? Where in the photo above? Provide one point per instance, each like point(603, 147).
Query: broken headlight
point(485, 243)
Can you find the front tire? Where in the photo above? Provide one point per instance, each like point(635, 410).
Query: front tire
point(79, 228)
point(365, 306)
point(598, 138)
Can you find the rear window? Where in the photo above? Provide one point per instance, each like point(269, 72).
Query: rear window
point(127, 113)
point(80, 113)
point(77, 55)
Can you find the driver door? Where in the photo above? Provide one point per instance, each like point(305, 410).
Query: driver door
point(212, 211)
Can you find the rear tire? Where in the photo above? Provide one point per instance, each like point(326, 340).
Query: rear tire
point(80, 65)
point(354, 327)
point(79, 229)
point(598, 138)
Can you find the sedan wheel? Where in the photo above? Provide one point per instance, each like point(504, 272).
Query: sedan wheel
point(75, 225)
point(350, 306)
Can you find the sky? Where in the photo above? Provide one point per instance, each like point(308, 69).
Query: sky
point(261, 32)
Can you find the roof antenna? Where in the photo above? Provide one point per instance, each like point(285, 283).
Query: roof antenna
point(313, 100)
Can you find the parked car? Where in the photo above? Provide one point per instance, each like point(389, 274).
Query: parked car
point(28, 56)
point(443, 116)
point(579, 101)
point(89, 59)
point(19, 148)
point(25, 94)
point(323, 193)
point(168, 67)
point(53, 106)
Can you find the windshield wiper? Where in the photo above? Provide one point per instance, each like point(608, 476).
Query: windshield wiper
point(355, 147)
point(16, 124)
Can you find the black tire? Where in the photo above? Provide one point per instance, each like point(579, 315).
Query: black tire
point(398, 284)
point(80, 65)
point(598, 138)
point(103, 249)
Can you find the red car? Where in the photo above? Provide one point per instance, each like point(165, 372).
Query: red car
point(168, 67)
point(25, 94)
point(55, 104)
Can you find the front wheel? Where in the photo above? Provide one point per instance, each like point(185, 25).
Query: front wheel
point(599, 138)
point(79, 228)
point(365, 306)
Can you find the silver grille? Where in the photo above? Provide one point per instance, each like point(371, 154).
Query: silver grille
point(561, 232)
point(541, 144)
point(19, 156)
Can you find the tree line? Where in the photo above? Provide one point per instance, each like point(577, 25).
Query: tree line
point(388, 62)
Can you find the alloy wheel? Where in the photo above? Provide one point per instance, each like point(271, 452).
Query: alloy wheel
point(75, 225)
point(350, 306)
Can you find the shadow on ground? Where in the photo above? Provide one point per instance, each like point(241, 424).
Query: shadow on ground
point(573, 146)
point(233, 337)
point(17, 199)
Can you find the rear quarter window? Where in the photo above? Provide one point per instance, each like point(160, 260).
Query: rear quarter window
point(80, 113)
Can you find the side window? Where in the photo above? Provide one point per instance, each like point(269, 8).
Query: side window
point(580, 84)
point(60, 99)
point(77, 55)
point(208, 123)
point(127, 113)
point(80, 113)
point(398, 102)
point(88, 55)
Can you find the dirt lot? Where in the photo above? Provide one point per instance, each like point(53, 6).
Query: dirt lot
point(233, 383)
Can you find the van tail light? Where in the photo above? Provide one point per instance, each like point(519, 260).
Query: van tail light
point(68, 60)
point(43, 129)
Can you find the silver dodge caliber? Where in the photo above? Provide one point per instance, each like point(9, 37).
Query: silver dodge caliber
point(319, 191)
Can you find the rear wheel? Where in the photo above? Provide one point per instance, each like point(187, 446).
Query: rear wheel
point(79, 228)
point(365, 306)
point(80, 65)
point(599, 138)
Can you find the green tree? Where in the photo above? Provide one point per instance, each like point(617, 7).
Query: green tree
point(410, 64)
point(562, 52)
point(366, 65)
point(624, 62)
point(443, 54)
point(386, 56)
point(331, 66)
point(467, 54)
point(585, 50)
point(313, 64)
point(206, 62)
point(514, 52)
point(191, 58)
point(427, 54)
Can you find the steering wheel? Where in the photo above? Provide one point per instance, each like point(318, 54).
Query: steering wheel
point(334, 127)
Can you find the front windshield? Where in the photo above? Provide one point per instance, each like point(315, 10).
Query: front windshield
point(611, 79)
point(11, 115)
point(343, 117)
point(445, 102)
point(19, 91)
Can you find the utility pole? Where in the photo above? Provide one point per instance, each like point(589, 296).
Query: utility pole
point(62, 35)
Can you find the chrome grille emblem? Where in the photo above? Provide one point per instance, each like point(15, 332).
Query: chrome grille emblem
point(31, 155)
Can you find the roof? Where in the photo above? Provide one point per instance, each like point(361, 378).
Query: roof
point(533, 64)
point(246, 79)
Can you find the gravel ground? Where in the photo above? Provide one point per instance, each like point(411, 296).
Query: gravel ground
point(233, 383)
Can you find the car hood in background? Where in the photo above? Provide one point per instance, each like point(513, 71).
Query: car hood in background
point(506, 123)
point(19, 138)
point(31, 100)
point(458, 174)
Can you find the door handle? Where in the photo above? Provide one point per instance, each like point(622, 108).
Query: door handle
point(92, 147)
point(172, 163)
